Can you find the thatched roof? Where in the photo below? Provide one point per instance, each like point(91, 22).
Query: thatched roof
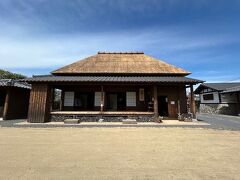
point(120, 63)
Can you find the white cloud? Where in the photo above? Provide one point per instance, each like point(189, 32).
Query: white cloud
point(212, 76)
point(21, 48)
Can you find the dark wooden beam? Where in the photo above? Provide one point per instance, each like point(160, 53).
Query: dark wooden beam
point(178, 101)
point(6, 104)
point(61, 101)
point(238, 104)
point(102, 100)
point(155, 96)
point(192, 104)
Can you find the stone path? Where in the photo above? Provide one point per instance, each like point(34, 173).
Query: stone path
point(206, 121)
point(166, 123)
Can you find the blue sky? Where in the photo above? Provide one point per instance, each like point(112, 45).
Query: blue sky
point(202, 36)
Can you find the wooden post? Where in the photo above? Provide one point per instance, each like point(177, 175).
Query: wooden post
point(61, 101)
point(238, 103)
point(178, 102)
point(155, 96)
point(6, 103)
point(102, 100)
point(192, 104)
point(51, 98)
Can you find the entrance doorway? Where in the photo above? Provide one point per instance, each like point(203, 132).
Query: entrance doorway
point(84, 101)
point(112, 102)
point(2, 101)
point(116, 101)
point(163, 105)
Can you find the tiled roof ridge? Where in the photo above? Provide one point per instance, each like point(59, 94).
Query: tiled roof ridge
point(132, 79)
point(120, 52)
point(15, 83)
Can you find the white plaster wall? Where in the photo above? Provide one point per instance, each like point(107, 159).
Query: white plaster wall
point(215, 98)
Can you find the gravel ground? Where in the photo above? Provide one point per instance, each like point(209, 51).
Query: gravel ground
point(10, 123)
point(119, 153)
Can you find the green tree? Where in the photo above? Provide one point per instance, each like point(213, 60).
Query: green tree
point(8, 75)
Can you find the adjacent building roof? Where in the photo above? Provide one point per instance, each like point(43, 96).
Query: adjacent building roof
point(216, 86)
point(232, 89)
point(14, 83)
point(120, 79)
point(121, 63)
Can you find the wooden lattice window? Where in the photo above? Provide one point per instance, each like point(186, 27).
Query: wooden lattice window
point(131, 98)
point(208, 97)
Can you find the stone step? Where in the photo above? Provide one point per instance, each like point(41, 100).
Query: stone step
point(129, 121)
point(71, 121)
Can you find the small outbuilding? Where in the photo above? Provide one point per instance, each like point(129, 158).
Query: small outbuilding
point(14, 99)
point(219, 98)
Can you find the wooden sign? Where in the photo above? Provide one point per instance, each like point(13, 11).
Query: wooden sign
point(141, 94)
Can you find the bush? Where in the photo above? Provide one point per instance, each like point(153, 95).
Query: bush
point(8, 75)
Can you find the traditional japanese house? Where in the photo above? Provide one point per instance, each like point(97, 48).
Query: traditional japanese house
point(14, 99)
point(111, 86)
point(219, 98)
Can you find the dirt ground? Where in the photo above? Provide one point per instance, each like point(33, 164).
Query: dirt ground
point(119, 153)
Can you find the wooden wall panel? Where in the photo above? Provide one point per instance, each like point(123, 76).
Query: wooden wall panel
point(16, 103)
point(174, 93)
point(39, 103)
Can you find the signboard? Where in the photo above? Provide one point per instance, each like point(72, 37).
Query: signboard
point(141, 94)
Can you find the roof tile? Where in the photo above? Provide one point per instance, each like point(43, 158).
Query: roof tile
point(120, 79)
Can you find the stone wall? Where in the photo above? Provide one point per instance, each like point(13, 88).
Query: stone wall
point(227, 109)
point(95, 118)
